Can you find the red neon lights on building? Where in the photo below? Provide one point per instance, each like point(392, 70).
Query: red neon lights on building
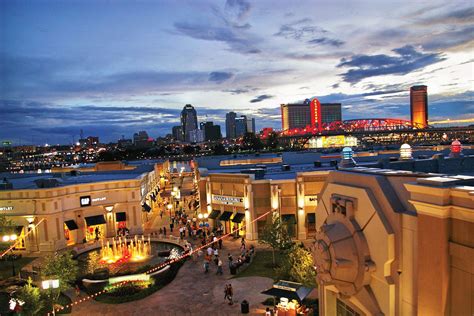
point(315, 112)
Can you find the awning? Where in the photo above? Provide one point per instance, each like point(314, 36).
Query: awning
point(311, 218)
point(214, 214)
point(95, 220)
point(153, 197)
point(290, 290)
point(288, 218)
point(71, 224)
point(225, 216)
point(238, 217)
point(120, 217)
point(146, 207)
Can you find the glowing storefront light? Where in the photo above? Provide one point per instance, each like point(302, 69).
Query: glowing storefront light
point(405, 151)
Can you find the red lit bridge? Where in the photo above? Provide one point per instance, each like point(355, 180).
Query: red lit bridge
point(379, 131)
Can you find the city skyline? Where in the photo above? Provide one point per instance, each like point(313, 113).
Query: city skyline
point(71, 67)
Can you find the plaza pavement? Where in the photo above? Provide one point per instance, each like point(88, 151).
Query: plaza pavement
point(192, 292)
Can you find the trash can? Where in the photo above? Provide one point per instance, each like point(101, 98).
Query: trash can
point(233, 270)
point(244, 307)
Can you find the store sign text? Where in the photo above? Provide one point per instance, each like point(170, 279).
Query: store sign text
point(6, 208)
point(311, 200)
point(229, 200)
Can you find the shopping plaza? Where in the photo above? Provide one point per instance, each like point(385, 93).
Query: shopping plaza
point(388, 236)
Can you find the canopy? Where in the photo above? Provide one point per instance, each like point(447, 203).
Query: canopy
point(71, 224)
point(95, 220)
point(238, 217)
point(225, 216)
point(290, 290)
point(214, 214)
point(120, 217)
point(146, 207)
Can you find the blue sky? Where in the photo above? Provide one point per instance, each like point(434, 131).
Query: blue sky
point(115, 67)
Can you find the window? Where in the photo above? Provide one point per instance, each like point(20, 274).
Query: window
point(342, 309)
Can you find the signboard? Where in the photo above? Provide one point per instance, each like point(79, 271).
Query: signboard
point(316, 115)
point(228, 200)
point(6, 208)
point(85, 201)
point(311, 200)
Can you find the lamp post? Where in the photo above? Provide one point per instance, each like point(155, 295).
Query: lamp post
point(50, 285)
point(7, 238)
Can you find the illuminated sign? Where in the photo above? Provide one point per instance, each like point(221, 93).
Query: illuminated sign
point(6, 208)
point(99, 199)
point(316, 115)
point(85, 201)
point(228, 200)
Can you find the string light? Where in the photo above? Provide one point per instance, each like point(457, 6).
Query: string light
point(162, 265)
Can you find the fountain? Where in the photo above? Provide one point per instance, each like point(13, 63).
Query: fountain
point(121, 250)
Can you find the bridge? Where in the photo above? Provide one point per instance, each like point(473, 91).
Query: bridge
point(380, 131)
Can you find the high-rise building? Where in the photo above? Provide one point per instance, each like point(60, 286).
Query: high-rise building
point(240, 126)
point(188, 121)
point(331, 112)
point(177, 132)
point(230, 125)
point(250, 125)
point(295, 115)
point(196, 136)
point(141, 139)
point(419, 105)
point(211, 131)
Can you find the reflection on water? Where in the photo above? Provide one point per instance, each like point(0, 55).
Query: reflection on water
point(91, 261)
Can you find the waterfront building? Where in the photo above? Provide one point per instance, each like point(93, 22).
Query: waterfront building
point(419, 105)
point(188, 121)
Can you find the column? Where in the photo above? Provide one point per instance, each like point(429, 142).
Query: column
point(251, 232)
point(300, 213)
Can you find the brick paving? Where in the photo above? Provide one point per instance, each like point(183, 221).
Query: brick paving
point(192, 292)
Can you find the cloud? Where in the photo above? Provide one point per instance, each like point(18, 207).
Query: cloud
point(261, 98)
point(407, 59)
point(220, 76)
point(299, 29)
point(237, 91)
point(451, 39)
point(460, 16)
point(239, 7)
point(327, 41)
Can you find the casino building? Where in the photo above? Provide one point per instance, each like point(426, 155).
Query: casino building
point(76, 207)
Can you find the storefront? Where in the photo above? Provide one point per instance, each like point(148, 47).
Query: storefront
point(95, 227)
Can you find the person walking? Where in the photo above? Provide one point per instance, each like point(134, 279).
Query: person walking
point(164, 230)
point(229, 257)
point(231, 294)
point(219, 267)
point(226, 292)
point(220, 243)
point(206, 266)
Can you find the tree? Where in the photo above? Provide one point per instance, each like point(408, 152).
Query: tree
point(298, 266)
point(61, 266)
point(6, 225)
point(31, 297)
point(251, 141)
point(275, 235)
point(272, 140)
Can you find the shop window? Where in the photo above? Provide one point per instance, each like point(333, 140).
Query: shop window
point(95, 227)
point(311, 222)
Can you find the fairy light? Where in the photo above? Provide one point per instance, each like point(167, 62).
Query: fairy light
point(162, 265)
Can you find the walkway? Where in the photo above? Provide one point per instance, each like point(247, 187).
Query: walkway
point(192, 293)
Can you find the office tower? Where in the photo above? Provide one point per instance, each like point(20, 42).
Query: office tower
point(295, 115)
point(250, 121)
point(240, 126)
point(177, 132)
point(331, 112)
point(141, 139)
point(188, 121)
point(419, 105)
point(230, 125)
point(211, 131)
point(196, 136)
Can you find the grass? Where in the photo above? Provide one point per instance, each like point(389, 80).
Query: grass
point(262, 265)
point(6, 266)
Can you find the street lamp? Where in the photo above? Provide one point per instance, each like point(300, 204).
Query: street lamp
point(8, 238)
point(50, 285)
point(169, 206)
